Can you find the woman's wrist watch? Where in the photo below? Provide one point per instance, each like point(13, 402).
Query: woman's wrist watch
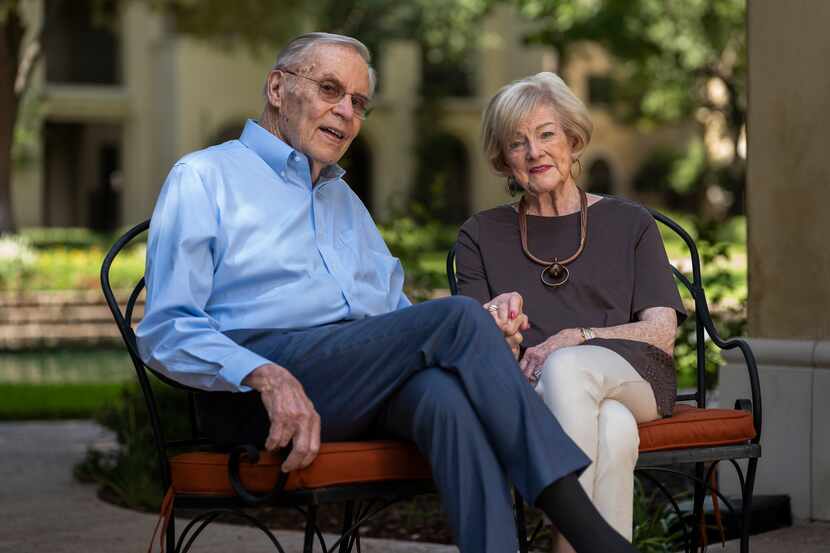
point(587, 334)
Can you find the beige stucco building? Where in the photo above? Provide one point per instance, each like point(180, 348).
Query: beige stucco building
point(788, 193)
point(109, 113)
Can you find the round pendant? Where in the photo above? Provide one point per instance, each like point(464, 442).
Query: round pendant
point(555, 275)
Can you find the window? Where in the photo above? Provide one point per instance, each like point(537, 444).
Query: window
point(80, 44)
point(600, 90)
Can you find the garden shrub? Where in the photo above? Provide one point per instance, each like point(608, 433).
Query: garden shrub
point(17, 261)
point(130, 474)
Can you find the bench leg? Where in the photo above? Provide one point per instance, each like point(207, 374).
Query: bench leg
point(310, 527)
point(348, 521)
point(697, 512)
point(746, 504)
point(170, 533)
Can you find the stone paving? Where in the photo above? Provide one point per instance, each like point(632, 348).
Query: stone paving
point(43, 509)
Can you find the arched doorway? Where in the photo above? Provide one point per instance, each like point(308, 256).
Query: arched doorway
point(442, 187)
point(600, 178)
point(229, 131)
point(358, 166)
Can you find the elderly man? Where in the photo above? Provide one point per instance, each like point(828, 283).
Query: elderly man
point(269, 285)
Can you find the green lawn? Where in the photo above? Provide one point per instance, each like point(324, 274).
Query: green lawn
point(60, 384)
point(73, 400)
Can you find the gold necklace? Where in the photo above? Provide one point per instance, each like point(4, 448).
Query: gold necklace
point(555, 272)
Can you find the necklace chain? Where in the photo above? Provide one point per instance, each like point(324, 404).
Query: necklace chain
point(556, 268)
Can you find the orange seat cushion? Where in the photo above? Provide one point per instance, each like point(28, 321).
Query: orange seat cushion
point(693, 427)
point(337, 463)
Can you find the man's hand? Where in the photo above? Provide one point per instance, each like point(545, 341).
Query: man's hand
point(292, 414)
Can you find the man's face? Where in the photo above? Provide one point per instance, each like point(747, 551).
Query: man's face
point(321, 130)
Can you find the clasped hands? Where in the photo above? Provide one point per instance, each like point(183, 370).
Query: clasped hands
point(294, 418)
point(511, 320)
point(506, 310)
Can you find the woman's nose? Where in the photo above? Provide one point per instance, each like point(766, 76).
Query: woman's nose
point(532, 149)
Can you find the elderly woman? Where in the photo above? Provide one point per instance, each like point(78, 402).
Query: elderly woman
point(581, 280)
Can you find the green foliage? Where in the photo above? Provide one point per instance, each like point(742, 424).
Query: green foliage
point(724, 281)
point(131, 473)
point(64, 259)
point(61, 383)
point(655, 524)
point(250, 22)
point(674, 62)
point(17, 261)
point(42, 238)
point(444, 27)
point(65, 366)
point(666, 49)
point(417, 246)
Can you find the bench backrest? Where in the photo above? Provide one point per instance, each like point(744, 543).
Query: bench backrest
point(701, 318)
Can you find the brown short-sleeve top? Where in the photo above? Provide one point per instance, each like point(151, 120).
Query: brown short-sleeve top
point(622, 270)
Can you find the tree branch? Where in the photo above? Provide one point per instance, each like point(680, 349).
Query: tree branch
point(28, 61)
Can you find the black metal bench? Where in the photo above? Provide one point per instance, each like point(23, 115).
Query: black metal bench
point(661, 461)
point(365, 477)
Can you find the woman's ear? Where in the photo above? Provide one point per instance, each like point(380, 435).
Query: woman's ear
point(575, 146)
point(501, 167)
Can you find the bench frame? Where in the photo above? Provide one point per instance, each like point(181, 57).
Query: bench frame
point(360, 501)
point(653, 462)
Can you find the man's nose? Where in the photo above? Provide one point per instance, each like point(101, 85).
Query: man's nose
point(344, 107)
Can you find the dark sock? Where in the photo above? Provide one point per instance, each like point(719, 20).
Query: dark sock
point(570, 509)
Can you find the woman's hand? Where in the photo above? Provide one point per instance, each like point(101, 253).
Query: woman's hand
point(506, 310)
point(535, 357)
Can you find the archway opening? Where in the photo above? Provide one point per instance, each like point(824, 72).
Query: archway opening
point(442, 187)
point(358, 166)
point(600, 178)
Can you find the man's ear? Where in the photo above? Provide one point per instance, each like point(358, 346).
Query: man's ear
point(274, 90)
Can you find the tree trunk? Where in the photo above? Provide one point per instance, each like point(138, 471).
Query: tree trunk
point(11, 37)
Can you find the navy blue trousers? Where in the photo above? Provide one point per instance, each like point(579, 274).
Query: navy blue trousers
point(439, 374)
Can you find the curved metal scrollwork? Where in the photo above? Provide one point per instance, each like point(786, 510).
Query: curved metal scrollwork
point(204, 519)
point(252, 454)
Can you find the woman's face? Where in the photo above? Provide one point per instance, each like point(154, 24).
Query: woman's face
point(539, 154)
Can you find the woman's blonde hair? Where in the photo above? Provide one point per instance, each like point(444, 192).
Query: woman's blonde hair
point(516, 100)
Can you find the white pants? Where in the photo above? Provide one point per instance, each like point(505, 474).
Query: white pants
point(599, 398)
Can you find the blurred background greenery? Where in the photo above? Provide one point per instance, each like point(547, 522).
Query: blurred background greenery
point(99, 97)
point(660, 65)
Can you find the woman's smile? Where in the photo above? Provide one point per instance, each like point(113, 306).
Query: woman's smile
point(539, 169)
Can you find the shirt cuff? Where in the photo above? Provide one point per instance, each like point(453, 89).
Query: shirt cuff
point(239, 365)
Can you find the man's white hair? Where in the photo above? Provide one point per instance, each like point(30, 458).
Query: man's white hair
point(297, 51)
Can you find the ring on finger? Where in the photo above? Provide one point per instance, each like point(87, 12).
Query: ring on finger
point(492, 308)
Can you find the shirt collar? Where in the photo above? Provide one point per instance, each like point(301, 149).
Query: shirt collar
point(276, 153)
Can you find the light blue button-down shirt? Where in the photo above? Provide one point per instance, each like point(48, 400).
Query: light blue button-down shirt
point(241, 239)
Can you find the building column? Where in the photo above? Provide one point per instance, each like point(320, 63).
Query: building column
point(788, 193)
point(391, 129)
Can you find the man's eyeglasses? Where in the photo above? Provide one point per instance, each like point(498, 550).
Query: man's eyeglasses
point(332, 92)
